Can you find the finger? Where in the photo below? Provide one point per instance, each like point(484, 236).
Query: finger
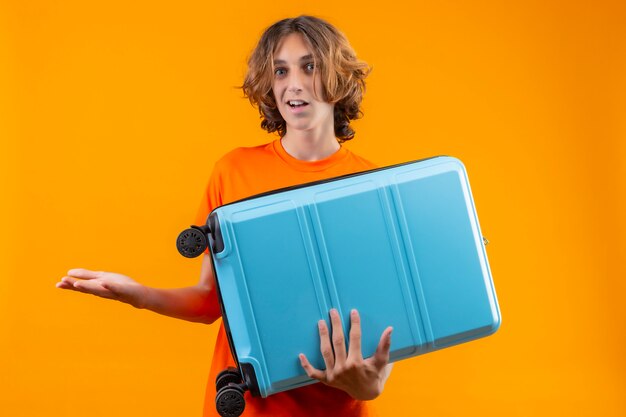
point(339, 340)
point(94, 288)
point(354, 351)
point(311, 371)
point(325, 347)
point(381, 357)
point(66, 283)
point(83, 273)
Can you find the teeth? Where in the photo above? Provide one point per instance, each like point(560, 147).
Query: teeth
point(296, 102)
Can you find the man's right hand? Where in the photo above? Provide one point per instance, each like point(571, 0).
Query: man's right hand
point(106, 285)
point(197, 303)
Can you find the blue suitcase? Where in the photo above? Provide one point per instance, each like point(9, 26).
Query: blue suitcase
point(400, 244)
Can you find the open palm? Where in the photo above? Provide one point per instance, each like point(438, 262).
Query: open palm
point(104, 284)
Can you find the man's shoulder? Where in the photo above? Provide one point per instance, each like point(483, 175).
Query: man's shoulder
point(244, 155)
point(361, 161)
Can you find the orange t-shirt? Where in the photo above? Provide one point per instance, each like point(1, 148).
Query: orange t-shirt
point(244, 172)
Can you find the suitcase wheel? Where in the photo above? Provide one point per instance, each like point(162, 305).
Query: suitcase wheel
point(227, 376)
point(191, 242)
point(229, 401)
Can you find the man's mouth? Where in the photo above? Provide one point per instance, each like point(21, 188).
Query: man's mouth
point(294, 104)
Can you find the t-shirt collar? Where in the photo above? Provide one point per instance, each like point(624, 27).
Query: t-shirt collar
point(300, 165)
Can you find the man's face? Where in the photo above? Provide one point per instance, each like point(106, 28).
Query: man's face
point(297, 86)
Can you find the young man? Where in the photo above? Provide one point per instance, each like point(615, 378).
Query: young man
point(308, 84)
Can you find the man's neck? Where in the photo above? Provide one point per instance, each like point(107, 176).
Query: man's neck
point(310, 146)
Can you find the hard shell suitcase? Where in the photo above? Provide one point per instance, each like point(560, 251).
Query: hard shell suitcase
point(400, 244)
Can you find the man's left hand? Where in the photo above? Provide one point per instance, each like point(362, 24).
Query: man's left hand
point(363, 379)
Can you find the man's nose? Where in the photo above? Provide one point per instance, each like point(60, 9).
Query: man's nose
point(295, 82)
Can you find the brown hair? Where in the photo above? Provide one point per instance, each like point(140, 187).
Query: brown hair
point(342, 74)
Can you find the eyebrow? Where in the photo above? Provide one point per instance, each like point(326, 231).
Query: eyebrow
point(283, 62)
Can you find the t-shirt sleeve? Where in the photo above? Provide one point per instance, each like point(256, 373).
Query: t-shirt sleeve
point(212, 197)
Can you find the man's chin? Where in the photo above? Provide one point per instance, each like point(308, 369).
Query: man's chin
point(299, 127)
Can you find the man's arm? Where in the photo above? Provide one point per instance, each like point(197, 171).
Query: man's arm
point(197, 303)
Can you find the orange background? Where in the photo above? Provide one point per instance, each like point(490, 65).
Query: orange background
point(112, 114)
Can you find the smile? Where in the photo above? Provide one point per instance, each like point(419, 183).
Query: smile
point(294, 104)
